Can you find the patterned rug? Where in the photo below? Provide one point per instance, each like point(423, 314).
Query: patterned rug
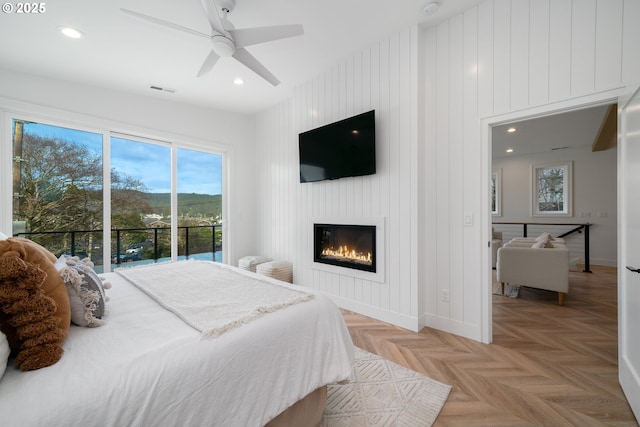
point(383, 393)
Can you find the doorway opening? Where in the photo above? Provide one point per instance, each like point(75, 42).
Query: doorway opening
point(517, 144)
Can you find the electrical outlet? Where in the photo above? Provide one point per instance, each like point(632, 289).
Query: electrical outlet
point(445, 295)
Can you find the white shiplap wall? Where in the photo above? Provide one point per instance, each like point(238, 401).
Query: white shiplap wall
point(384, 78)
point(502, 57)
point(430, 90)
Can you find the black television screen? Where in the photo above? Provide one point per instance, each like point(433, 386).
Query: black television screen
point(337, 150)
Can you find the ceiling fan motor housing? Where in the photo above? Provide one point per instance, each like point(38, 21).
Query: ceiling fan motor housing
point(223, 46)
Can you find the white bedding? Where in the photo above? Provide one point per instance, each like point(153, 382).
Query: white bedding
point(146, 367)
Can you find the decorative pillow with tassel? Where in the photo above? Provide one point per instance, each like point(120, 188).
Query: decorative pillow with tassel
point(86, 290)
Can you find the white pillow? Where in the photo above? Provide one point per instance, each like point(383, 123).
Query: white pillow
point(4, 353)
point(3, 236)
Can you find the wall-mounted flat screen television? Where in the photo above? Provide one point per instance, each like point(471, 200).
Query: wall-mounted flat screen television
point(337, 150)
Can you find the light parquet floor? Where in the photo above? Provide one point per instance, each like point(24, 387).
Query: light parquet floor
point(549, 365)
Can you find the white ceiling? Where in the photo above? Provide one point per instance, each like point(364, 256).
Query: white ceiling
point(571, 130)
point(122, 53)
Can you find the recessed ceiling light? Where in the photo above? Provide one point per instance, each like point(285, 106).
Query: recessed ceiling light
point(509, 150)
point(238, 81)
point(511, 130)
point(71, 32)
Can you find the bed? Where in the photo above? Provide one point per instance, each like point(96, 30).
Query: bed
point(146, 366)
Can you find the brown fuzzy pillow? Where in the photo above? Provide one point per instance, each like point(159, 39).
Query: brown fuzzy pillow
point(34, 304)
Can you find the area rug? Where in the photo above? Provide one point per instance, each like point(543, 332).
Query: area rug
point(511, 291)
point(383, 393)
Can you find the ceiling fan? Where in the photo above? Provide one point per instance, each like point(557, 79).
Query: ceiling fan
point(226, 40)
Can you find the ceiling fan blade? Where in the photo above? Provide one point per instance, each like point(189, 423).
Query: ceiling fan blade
point(164, 23)
point(250, 36)
point(254, 65)
point(211, 10)
point(208, 64)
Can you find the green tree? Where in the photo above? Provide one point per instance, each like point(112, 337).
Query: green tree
point(551, 189)
point(60, 189)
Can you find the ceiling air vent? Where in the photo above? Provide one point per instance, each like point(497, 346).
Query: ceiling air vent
point(162, 89)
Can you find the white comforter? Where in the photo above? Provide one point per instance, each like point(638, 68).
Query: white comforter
point(146, 367)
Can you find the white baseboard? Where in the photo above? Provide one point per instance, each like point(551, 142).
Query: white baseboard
point(398, 319)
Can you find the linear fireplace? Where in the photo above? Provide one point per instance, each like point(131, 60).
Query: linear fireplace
point(345, 245)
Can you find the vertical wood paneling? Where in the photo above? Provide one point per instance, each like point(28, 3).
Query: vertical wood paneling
point(395, 247)
point(443, 196)
point(456, 161)
point(473, 191)
point(372, 59)
point(405, 116)
point(583, 43)
point(381, 78)
point(560, 49)
point(485, 59)
point(519, 54)
point(501, 55)
point(608, 50)
point(429, 258)
point(630, 37)
point(539, 52)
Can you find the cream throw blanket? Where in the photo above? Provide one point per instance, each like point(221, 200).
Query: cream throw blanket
point(211, 297)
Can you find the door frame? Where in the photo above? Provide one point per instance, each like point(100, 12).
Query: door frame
point(617, 95)
point(627, 376)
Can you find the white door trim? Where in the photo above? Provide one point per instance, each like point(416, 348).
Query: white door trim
point(486, 124)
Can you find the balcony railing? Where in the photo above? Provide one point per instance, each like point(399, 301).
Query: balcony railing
point(128, 244)
point(567, 229)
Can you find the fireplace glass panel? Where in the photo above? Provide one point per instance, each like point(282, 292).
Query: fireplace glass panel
point(349, 246)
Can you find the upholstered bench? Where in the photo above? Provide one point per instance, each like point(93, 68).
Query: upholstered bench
point(279, 269)
point(251, 262)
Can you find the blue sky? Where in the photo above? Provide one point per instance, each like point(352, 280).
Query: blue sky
point(198, 172)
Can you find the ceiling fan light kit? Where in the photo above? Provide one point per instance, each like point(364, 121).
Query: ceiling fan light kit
point(223, 46)
point(226, 40)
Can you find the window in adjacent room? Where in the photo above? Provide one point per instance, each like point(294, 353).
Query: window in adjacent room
point(552, 189)
point(496, 192)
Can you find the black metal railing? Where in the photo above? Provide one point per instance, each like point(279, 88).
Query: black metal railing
point(191, 240)
point(578, 228)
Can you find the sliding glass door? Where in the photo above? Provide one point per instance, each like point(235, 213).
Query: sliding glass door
point(57, 188)
point(157, 200)
point(199, 205)
point(140, 201)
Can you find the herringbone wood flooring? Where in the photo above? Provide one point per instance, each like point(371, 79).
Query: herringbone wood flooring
point(549, 365)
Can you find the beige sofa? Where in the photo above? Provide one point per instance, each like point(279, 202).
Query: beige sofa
point(542, 268)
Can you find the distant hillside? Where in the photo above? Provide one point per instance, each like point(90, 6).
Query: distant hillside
point(191, 204)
